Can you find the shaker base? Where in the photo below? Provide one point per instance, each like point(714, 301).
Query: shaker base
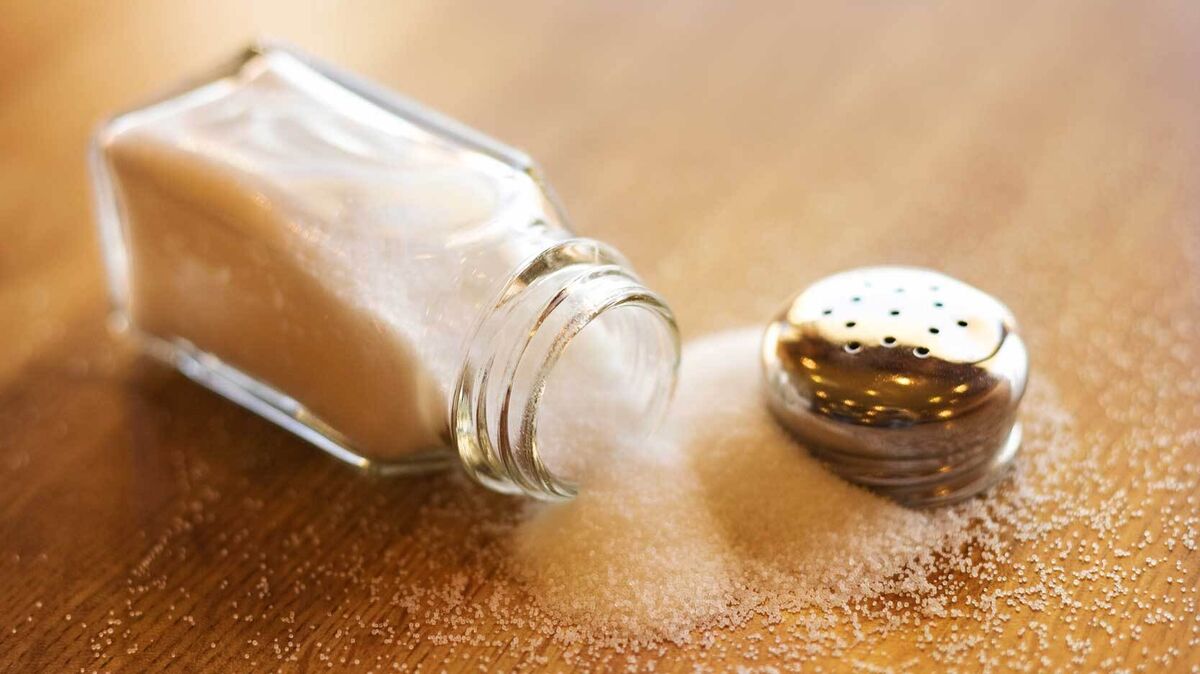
point(272, 404)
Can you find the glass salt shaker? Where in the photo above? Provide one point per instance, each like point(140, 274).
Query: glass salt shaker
point(380, 280)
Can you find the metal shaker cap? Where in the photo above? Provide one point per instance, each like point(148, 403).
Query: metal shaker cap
point(900, 379)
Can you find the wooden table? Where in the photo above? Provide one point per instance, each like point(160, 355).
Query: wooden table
point(1047, 152)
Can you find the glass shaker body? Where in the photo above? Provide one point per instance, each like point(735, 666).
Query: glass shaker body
point(372, 276)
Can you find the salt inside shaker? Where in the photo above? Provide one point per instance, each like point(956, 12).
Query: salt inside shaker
point(372, 276)
point(903, 380)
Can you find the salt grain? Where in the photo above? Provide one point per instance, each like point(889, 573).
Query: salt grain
point(722, 534)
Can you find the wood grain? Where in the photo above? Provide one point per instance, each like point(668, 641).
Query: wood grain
point(1047, 152)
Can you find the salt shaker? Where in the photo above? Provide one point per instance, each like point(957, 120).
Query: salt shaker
point(384, 282)
point(903, 380)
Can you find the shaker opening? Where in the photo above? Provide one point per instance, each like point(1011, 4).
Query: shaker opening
point(611, 386)
point(575, 286)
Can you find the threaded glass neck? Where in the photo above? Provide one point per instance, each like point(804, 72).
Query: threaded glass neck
point(574, 344)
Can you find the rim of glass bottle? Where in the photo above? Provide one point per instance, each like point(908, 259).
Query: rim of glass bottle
point(504, 455)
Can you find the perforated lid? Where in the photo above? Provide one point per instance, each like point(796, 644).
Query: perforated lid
point(918, 310)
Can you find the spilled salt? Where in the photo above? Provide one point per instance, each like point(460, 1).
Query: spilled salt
point(725, 536)
point(721, 515)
